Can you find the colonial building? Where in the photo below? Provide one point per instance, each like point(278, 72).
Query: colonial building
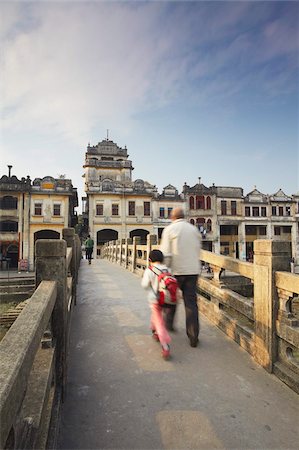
point(116, 207)
point(217, 211)
point(31, 211)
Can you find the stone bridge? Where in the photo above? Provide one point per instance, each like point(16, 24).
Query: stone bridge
point(117, 391)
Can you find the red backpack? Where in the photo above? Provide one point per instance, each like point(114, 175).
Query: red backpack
point(168, 288)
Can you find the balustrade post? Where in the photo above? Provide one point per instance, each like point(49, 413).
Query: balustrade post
point(136, 240)
point(115, 251)
point(68, 235)
point(78, 251)
point(122, 252)
point(151, 239)
point(126, 254)
point(128, 259)
point(217, 272)
point(50, 265)
point(269, 257)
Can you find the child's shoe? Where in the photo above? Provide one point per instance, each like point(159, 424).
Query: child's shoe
point(155, 336)
point(165, 351)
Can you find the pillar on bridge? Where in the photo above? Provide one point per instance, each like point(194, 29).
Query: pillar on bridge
point(136, 241)
point(269, 257)
point(151, 240)
point(51, 265)
point(68, 234)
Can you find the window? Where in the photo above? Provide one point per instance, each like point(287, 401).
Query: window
point(114, 209)
point(262, 231)
point(192, 221)
point(223, 207)
point(8, 202)
point(200, 202)
point(9, 225)
point(131, 208)
point(247, 211)
point(99, 209)
point(37, 209)
point(288, 210)
point(208, 202)
point(277, 231)
point(286, 230)
point(146, 208)
point(162, 212)
point(191, 202)
point(233, 208)
point(56, 209)
point(273, 210)
point(209, 225)
point(263, 211)
point(255, 211)
point(280, 210)
point(169, 212)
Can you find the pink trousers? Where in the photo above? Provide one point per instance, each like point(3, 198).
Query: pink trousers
point(158, 325)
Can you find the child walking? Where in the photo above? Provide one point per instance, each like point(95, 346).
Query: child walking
point(150, 282)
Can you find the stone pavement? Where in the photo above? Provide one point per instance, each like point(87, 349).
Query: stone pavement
point(122, 395)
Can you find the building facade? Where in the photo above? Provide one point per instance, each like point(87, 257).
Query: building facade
point(116, 207)
point(31, 211)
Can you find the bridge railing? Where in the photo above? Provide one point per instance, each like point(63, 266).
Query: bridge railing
point(33, 353)
point(256, 304)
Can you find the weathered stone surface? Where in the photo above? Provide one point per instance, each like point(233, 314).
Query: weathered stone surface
point(17, 353)
point(50, 247)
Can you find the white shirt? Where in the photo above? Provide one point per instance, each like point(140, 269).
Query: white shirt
point(150, 281)
point(180, 245)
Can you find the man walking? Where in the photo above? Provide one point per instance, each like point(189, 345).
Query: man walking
point(89, 248)
point(181, 244)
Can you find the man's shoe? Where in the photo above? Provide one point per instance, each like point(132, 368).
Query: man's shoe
point(194, 343)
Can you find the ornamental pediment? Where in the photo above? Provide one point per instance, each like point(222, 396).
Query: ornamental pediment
point(107, 147)
point(280, 196)
point(256, 196)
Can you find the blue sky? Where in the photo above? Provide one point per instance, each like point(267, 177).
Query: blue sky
point(193, 89)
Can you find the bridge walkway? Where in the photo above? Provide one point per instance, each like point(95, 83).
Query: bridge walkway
point(122, 395)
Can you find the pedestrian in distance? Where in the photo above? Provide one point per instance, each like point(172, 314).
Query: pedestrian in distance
point(150, 283)
point(89, 243)
point(181, 244)
point(292, 265)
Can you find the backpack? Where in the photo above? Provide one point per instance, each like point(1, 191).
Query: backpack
point(168, 288)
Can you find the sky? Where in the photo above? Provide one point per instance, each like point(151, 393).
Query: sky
point(192, 88)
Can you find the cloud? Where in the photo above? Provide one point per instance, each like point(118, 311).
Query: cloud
point(69, 68)
point(80, 64)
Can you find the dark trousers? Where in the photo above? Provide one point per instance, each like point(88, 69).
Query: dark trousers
point(187, 284)
point(89, 253)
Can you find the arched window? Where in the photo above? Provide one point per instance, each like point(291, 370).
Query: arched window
point(106, 235)
point(200, 220)
point(140, 233)
point(208, 202)
point(192, 221)
point(200, 202)
point(209, 225)
point(191, 202)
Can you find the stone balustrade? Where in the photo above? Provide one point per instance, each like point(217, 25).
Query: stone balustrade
point(256, 304)
point(33, 353)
